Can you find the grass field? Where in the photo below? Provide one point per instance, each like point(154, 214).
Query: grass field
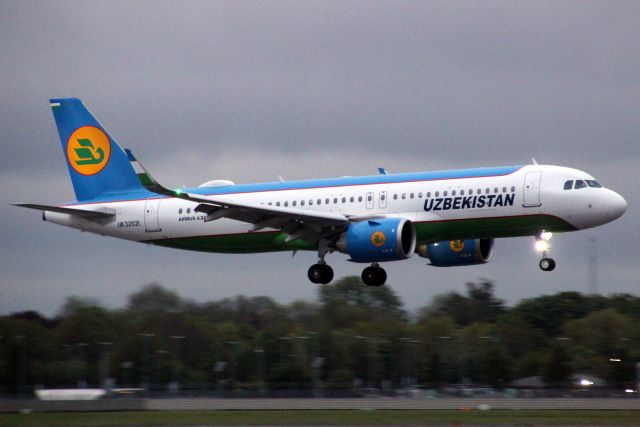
point(308, 417)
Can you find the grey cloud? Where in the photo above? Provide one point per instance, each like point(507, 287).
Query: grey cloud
point(250, 90)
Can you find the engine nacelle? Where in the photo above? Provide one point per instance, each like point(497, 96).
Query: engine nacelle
point(451, 253)
point(385, 239)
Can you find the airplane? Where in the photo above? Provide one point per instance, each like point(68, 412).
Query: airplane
point(450, 217)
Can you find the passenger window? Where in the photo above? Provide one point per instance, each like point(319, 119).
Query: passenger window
point(326, 201)
point(478, 191)
point(428, 193)
point(382, 197)
point(369, 198)
point(180, 211)
point(513, 189)
point(302, 203)
point(504, 189)
point(568, 185)
point(445, 193)
point(359, 198)
point(395, 197)
point(335, 200)
point(487, 190)
point(344, 200)
point(437, 194)
point(495, 190)
point(419, 195)
point(270, 203)
point(453, 193)
point(188, 210)
point(352, 199)
point(404, 196)
point(293, 203)
point(411, 196)
point(277, 203)
point(462, 192)
point(580, 184)
point(310, 202)
point(286, 204)
point(593, 184)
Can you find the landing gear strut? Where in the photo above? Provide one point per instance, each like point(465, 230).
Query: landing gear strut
point(546, 263)
point(374, 275)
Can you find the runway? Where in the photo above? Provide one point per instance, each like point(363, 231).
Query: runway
point(212, 404)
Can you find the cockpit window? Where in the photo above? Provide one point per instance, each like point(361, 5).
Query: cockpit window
point(580, 184)
point(568, 185)
point(593, 184)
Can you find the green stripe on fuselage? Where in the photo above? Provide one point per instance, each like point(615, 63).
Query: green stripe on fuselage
point(480, 228)
point(237, 243)
point(433, 231)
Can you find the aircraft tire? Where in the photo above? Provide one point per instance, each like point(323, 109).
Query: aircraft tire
point(320, 273)
point(547, 264)
point(374, 276)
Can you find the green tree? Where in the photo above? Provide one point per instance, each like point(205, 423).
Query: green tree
point(154, 297)
point(480, 304)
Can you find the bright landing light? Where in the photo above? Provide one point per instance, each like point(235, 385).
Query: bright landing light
point(546, 235)
point(541, 245)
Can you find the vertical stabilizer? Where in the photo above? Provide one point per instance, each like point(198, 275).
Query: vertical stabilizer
point(97, 164)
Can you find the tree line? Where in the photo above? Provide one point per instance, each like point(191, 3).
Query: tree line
point(352, 336)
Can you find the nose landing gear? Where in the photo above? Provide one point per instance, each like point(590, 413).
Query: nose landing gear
point(546, 263)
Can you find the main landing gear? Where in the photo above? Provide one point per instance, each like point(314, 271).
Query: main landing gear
point(320, 272)
point(546, 263)
point(374, 275)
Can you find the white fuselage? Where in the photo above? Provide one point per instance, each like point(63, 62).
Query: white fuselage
point(526, 201)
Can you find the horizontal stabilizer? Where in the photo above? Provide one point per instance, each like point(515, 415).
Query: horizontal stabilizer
point(102, 213)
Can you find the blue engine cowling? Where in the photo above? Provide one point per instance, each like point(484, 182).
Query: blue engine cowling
point(451, 253)
point(384, 239)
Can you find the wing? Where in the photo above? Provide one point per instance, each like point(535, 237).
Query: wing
point(310, 226)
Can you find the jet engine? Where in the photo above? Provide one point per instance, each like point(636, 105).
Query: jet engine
point(451, 253)
point(384, 239)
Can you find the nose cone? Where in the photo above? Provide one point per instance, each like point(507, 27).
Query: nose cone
point(616, 205)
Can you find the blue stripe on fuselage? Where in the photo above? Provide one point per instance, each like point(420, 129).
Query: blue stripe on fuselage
point(322, 183)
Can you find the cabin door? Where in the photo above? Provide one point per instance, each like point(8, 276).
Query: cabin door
point(532, 189)
point(151, 210)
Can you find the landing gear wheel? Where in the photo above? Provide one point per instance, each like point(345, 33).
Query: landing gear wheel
point(320, 273)
point(547, 264)
point(374, 276)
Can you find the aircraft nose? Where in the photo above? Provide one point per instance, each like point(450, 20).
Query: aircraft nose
point(616, 205)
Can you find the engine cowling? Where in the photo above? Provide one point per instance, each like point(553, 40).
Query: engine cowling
point(385, 239)
point(451, 253)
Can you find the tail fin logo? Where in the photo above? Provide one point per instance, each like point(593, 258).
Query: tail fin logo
point(88, 150)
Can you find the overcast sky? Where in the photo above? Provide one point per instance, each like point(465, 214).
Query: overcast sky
point(248, 91)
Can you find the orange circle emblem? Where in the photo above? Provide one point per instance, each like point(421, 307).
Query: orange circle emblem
point(88, 150)
point(456, 245)
point(378, 238)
